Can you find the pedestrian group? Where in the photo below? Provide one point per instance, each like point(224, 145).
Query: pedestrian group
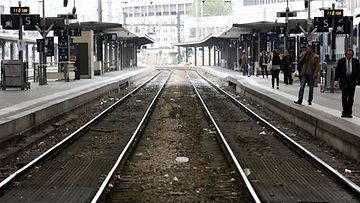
point(347, 73)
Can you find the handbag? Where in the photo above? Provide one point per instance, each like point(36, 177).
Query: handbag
point(296, 73)
point(269, 65)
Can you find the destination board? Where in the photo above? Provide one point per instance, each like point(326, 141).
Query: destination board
point(19, 10)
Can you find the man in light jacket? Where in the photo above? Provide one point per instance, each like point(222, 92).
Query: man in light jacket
point(309, 72)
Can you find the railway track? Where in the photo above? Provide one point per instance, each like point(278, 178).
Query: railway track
point(72, 170)
point(177, 158)
point(279, 169)
point(178, 128)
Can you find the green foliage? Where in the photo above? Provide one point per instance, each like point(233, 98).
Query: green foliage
point(211, 8)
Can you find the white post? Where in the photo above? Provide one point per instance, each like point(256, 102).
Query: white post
point(99, 10)
point(197, 20)
point(309, 23)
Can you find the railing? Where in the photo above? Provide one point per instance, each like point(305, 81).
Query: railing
point(109, 65)
point(53, 73)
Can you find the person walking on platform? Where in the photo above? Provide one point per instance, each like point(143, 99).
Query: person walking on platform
point(244, 63)
point(309, 72)
point(348, 72)
point(275, 68)
point(287, 67)
point(263, 63)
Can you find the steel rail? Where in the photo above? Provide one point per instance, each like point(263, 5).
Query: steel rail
point(127, 147)
point(78, 132)
point(228, 148)
point(348, 183)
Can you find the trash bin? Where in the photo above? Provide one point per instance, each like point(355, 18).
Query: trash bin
point(14, 74)
point(329, 77)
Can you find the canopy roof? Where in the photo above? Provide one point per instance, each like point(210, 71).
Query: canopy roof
point(13, 38)
point(96, 26)
point(246, 28)
point(122, 32)
point(131, 37)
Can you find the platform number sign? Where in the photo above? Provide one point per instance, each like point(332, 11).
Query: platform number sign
point(12, 22)
point(342, 25)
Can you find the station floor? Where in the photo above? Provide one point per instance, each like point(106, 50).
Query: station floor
point(14, 100)
point(327, 102)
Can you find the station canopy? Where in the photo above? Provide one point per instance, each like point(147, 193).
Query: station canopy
point(131, 37)
point(236, 30)
point(13, 38)
point(122, 32)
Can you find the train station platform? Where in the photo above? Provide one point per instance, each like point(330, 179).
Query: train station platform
point(328, 102)
point(321, 119)
point(22, 109)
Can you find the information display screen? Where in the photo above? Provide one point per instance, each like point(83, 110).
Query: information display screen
point(334, 13)
point(19, 10)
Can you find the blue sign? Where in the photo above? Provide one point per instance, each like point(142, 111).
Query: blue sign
point(278, 30)
point(271, 37)
point(246, 37)
point(110, 37)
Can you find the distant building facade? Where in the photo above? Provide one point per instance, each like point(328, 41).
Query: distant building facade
point(161, 20)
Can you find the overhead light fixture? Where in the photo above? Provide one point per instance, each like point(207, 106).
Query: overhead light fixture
point(65, 3)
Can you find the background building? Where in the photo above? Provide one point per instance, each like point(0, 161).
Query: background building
point(161, 20)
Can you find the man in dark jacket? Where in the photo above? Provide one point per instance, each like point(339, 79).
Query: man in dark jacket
point(348, 72)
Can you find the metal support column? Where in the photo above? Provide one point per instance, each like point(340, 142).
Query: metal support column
point(118, 55)
point(42, 55)
point(135, 56)
point(21, 53)
point(195, 51)
point(237, 55)
point(27, 52)
point(11, 50)
point(258, 52)
point(209, 51)
point(333, 39)
point(116, 59)
point(106, 56)
point(252, 71)
point(33, 49)
point(121, 55)
point(214, 56)
point(286, 23)
point(219, 57)
point(230, 58)
point(111, 56)
point(3, 52)
point(203, 56)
